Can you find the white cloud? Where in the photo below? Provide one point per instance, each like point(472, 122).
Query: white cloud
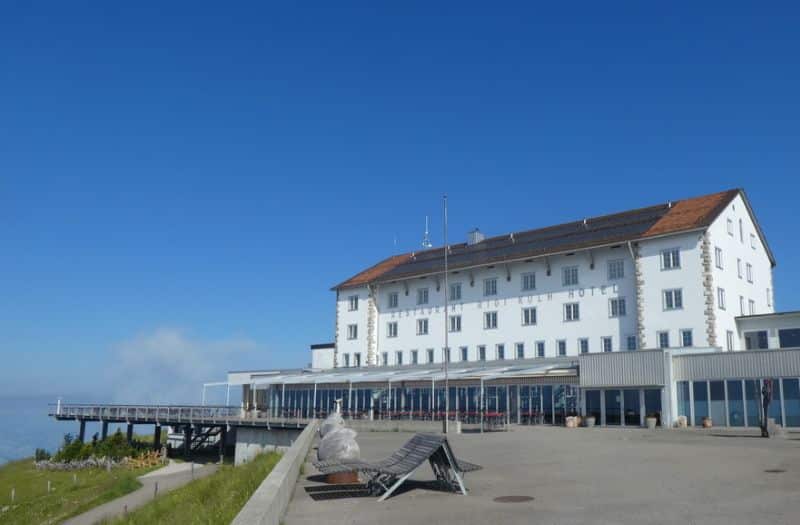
point(168, 366)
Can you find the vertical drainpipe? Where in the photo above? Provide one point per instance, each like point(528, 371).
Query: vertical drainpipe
point(314, 402)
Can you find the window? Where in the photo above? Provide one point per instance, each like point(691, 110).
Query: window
point(729, 340)
point(464, 353)
point(520, 347)
point(721, 298)
point(739, 268)
point(489, 320)
point(673, 299)
point(528, 281)
point(446, 354)
point(569, 276)
point(749, 273)
point(385, 359)
point(482, 353)
point(352, 331)
point(455, 292)
point(769, 297)
point(422, 296)
point(663, 339)
point(561, 346)
point(429, 351)
point(584, 345)
point(789, 338)
point(616, 269)
point(352, 303)
point(490, 286)
point(741, 231)
point(616, 307)
point(686, 338)
point(607, 344)
point(753, 241)
point(501, 352)
point(422, 327)
point(751, 307)
point(391, 329)
point(455, 323)
point(741, 305)
point(671, 259)
point(393, 300)
point(357, 359)
point(571, 312)
point(718, 257)
point(756, 340)
point(346, 360)
point(398, 359)
point(539, 348)
point(529, 316)
point(414, 357)
point(730, 227)
point(631, 342)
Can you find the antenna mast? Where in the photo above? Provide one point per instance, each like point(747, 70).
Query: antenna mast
point(426, 239)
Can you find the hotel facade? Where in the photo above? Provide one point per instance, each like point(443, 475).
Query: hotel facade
point(666, 311)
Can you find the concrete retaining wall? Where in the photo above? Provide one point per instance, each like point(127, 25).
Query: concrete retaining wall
point(268, 503)
point(253, 441)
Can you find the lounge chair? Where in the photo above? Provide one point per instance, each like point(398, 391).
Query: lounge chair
point(385, 476)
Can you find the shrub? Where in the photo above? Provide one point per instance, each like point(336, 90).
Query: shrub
point(41, 455)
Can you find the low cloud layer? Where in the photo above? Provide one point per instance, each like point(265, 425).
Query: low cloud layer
point(169, 366)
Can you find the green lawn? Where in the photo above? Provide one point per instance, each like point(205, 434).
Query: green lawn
point(215, 499)
point(68, 497)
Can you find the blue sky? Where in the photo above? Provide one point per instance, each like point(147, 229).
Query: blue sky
point(180, 185)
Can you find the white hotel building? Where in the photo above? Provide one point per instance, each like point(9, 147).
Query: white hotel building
point(665, 310)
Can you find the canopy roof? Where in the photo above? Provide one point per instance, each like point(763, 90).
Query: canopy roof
point(476, 372)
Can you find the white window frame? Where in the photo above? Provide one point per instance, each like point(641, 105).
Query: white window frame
point(529, 316)
point(517, 347)
point(659, 334)
point(455, 291)
point(749, 271)
point(423, 296)
point(430, 353)
point(352, 303)
point(741, 305)
point(561, 347)
point(357, 359)
point(739, 267)
point(422, 323)
point(447, 354)
point(398, 358)
point(572, 312)
point(751, 307)
point(674, 259)
point(394, 299)
point(463, 353)
point(454, 323)
point(617, 302)
point(730, 227)
point(541, 348)
point(672, 292)
point(729, 340)
point(616, 269)
point(385, 359)
point(352, 332)
point(490, 320)
point(528, 281)
point(391, 329)
point(682, 334)
point(346, 360)
point(500, 351)
point(481, 352)
point(753, 241)
point(769, 297)
point(415, 357)
point(720, 298)
point(583, 345)
point(628, 345)
point(490, 287)
point(607, 344)
point(718, 258)
point(569, 276)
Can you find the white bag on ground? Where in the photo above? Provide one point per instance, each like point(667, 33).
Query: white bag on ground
point(332, 422)
point(339, 444)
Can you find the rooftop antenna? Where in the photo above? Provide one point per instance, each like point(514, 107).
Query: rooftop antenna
point(426, 240)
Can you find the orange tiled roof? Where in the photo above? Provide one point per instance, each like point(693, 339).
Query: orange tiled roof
point(689, 214)
point(373, 272)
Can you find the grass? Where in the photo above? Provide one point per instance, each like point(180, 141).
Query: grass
point(68, 496)
point(217, 498)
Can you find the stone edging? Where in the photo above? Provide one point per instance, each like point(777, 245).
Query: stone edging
point(268, 503)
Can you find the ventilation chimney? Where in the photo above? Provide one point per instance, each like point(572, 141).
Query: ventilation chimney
point(475, 236)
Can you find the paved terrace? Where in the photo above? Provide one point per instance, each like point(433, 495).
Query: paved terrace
point(598, 476)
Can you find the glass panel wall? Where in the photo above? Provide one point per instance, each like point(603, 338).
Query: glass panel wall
point(547, 404)
point(775, 405)
point(684, 401)
point(700, 392)
point(613, 399)
point(632, 409)
point(652, 404)
point(592, 400)
point(717, 405)
point(735, 404)
point(752, 401)
point(791, 402)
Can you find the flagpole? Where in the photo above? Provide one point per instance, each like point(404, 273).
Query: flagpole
point(446, 329)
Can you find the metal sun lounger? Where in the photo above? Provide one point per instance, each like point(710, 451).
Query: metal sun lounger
point(385, 476)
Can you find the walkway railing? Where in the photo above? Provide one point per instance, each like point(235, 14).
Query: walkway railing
point(145, 412)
